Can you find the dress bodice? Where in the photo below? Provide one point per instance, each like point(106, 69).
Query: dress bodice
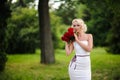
point(79, 50)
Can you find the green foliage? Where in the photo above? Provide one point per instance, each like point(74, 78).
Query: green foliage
point(114, 36)
point(93, 15)
point(67, 11)
point(98, 28)
point(105, 16)
point(99, 22)
point(22, 31)
point(28, 1)
point(61, 19)
point(23, 3)
point(82, 11)
point(105, 66)
point(58, 30)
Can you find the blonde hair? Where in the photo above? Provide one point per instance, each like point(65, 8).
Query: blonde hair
point(81, 22)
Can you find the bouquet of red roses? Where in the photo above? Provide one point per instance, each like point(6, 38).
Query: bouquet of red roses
point(68, 36)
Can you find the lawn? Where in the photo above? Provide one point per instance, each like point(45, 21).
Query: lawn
point(105, 66)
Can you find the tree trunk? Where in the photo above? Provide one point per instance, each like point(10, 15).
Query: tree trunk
point(4, 15)
point(47, 52)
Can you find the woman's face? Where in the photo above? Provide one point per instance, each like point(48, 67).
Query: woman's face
point(77, 27)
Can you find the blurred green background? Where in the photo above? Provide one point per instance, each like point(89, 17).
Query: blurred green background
point(20, 38)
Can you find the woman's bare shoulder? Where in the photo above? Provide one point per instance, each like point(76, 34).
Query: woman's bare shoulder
point(89, 36)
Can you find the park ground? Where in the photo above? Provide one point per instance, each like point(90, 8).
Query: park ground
point(105, 66)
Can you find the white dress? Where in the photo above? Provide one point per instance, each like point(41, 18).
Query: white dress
point(80, 65)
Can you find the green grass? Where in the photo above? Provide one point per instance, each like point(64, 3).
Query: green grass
point(27, 66)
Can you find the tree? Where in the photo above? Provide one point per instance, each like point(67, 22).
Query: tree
point(92, 14)
point(22, 3)
point(47, 52)
point(68, 8)
point(4, 15)
point(99, 20)
point(114, 35)
point(22, 31)
point(110, 18)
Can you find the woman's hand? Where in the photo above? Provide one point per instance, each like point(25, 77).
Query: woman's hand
point(76, 37)
point(68, 48)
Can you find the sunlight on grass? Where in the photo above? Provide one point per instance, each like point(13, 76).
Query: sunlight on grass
point(27, 66)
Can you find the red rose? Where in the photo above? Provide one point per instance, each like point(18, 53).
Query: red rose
point(70, 29)
point(68, 36)
point(65, 39)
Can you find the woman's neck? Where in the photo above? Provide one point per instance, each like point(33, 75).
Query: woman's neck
point(81, 34)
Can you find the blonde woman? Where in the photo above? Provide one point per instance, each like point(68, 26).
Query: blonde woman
point(80, 65)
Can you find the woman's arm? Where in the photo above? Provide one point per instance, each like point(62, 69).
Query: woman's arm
point(90, 43)
point(68, 48)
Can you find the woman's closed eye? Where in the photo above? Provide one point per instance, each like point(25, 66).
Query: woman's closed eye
point(76, 25)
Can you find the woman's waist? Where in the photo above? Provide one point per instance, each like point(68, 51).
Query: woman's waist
point(82, 54)
point(81, 58)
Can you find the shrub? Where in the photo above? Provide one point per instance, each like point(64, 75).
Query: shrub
point(3, 59)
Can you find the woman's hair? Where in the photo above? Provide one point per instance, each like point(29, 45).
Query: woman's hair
point(80, 22)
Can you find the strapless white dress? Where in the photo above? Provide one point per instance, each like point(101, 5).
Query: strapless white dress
point(80, 65)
